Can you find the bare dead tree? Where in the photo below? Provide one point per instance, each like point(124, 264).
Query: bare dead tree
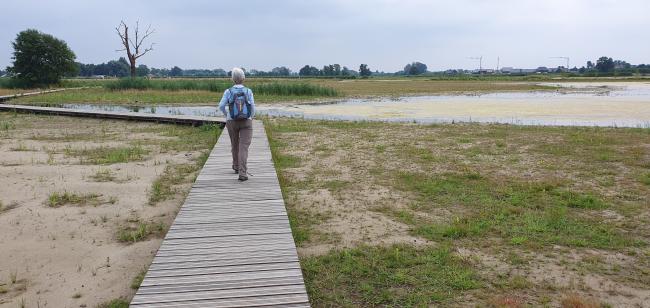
point(133, 48)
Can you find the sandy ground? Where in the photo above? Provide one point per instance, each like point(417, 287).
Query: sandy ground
point(70, 256)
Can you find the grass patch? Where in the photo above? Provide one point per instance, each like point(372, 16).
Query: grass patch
point(10, 206)
point(220, 85)
point(185, 138)
point(163, 187)
point(108, 155)
point(396, 276)
point(21, 147)
point(645, 179)
point(58, 199)
point(336, 185)
point(283, 161)
point(137, 280)
point(302, 224)
point(7, 125)
point(140, 231)
point(116, 303)
point(539, 213)
point(103, 175)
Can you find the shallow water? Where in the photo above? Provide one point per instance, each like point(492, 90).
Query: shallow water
point(623, 104)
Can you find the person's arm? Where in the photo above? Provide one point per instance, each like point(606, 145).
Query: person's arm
point(252, 101)
point(223, 102)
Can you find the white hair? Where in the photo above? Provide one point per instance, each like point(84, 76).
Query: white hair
point(238, 75)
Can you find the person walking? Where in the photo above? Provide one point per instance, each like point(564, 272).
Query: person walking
point(239, 121)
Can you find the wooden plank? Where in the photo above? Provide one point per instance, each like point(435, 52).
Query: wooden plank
point(283, 300)
point(221, 294)
point(162, 118)
point(216, 279)
point(209, 286)
point(231, 243)
point(12, 96)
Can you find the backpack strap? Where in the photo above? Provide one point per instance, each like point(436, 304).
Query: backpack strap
point(231, 102)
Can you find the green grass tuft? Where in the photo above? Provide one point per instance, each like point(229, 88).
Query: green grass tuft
point(140, 232)
point(103, 175)
point(57, 199)
point(109, 155)
point(645, 178)
point(116, 303)
point(163, 187)
point(137, 280)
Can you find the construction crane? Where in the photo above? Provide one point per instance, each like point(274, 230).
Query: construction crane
point(565, 58)
point(480, 62)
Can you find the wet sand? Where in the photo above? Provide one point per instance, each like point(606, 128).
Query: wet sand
point(600, 104)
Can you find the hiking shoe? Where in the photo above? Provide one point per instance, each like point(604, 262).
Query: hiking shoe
point(242, 178)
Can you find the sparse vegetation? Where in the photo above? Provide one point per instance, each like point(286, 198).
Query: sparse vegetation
point(140, 231)
point(108, 155)
point(103, 175)
point(116, 303)
point(510, 209)
point(57, 199)
point(13, 276)
point(163, 187)
point(92, 232)
point(137, 280)
point(10, 206)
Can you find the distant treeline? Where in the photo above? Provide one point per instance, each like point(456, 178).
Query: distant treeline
point(604, 66)
point(120, 68)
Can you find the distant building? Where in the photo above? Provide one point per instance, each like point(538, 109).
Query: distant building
point(512, 70)
point(483, 71)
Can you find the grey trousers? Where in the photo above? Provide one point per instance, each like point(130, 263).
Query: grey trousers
point(241, 133)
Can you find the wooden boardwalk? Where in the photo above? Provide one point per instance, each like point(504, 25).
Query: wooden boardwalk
point(231, 244)
point(4, 98)
point(160, 118)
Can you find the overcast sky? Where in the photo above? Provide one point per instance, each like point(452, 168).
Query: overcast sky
point(386, 34)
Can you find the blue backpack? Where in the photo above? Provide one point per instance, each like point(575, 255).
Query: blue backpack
point(238, 104)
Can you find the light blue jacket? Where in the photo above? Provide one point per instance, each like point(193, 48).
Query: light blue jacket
point(226, 96)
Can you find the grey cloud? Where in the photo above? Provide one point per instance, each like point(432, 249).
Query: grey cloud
point(386, 34)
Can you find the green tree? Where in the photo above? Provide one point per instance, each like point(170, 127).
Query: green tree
point(309, 71)
point(142, 70)
point(176, 71)
point(40, 59)
point(364, 71)
point(281, 71)
point(605, 65)
point(415, 68)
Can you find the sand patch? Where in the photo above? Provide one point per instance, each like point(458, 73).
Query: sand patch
point(70, 255)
